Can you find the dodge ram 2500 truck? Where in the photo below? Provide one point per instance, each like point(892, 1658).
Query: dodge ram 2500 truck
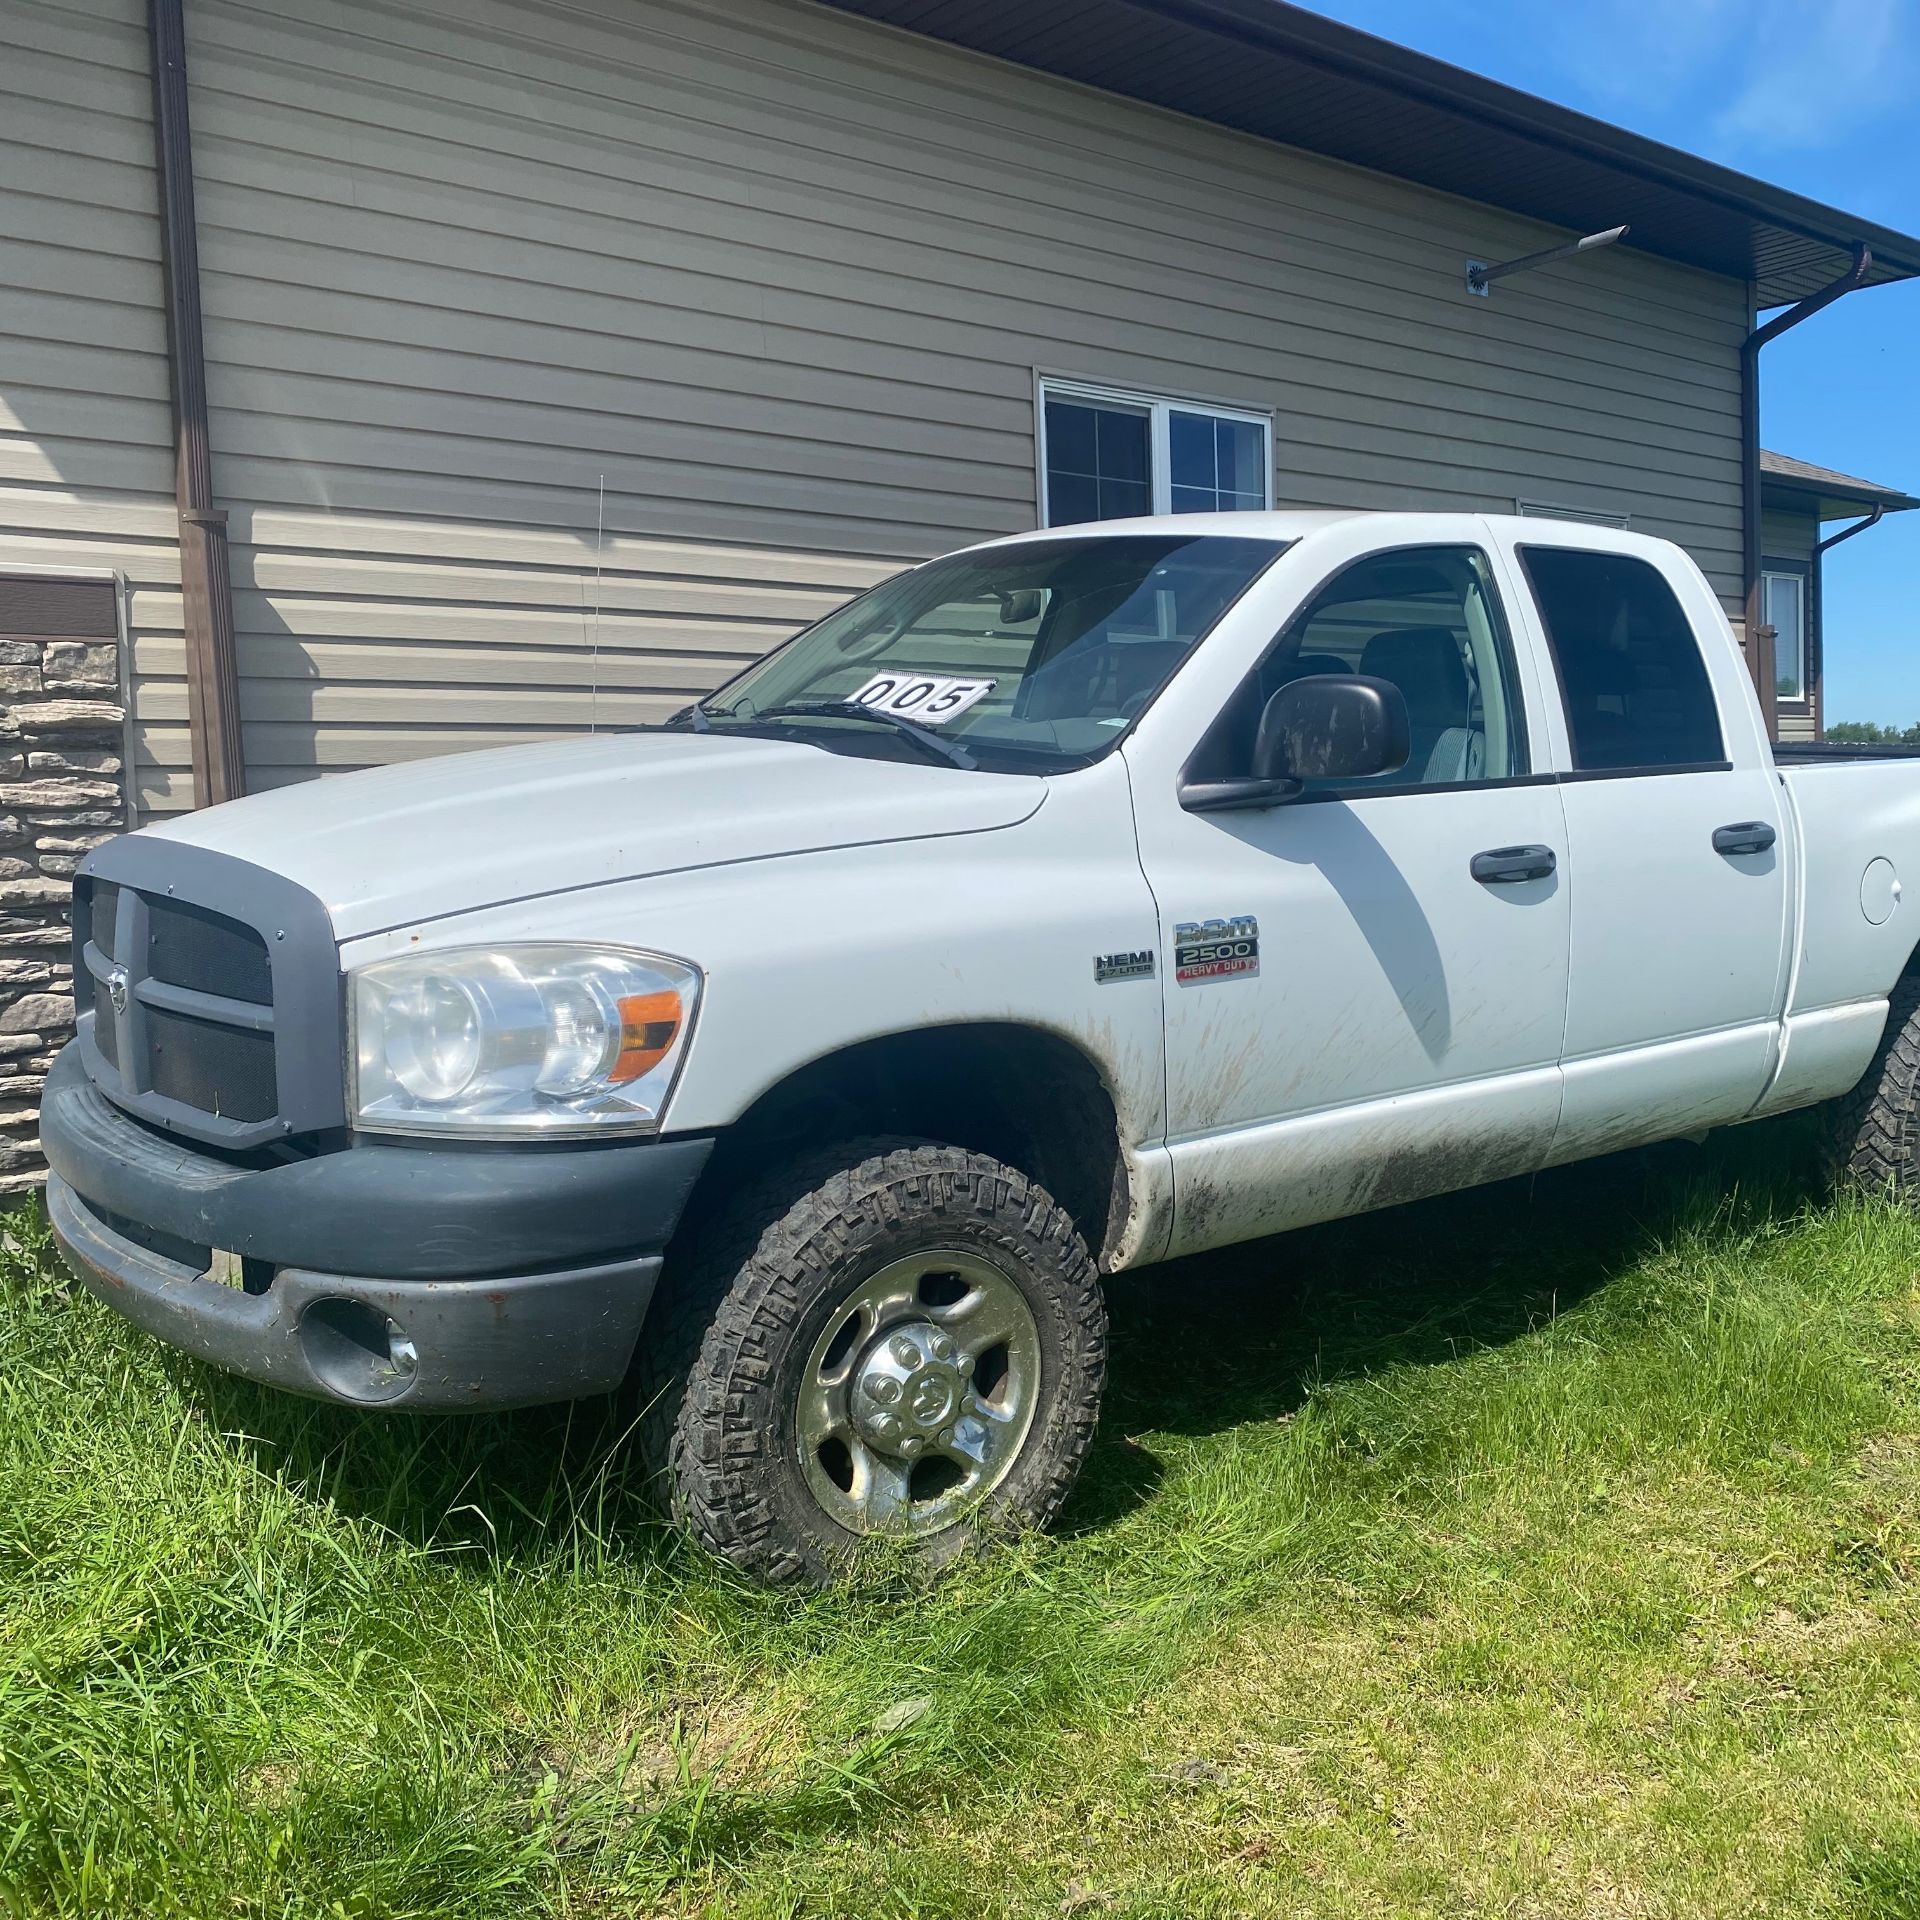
point(1078, 900)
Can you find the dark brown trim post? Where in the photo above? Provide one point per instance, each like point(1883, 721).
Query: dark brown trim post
point(1759, 636)
point(213, 681)
point(1820, 549)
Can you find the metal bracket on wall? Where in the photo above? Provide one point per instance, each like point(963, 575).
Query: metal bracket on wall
point(1480, 276)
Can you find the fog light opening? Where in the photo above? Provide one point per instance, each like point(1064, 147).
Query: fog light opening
point(357, 1351)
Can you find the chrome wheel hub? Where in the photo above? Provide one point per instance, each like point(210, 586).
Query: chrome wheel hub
point(919, 1393)
point(908, 1389)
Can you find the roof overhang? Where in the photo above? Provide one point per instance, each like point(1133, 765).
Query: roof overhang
point(1280, 72)
point(1831, 495)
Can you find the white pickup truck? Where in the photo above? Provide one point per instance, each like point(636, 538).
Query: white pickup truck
point(1068, 903)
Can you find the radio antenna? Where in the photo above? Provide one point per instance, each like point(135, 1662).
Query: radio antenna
point(599, 544)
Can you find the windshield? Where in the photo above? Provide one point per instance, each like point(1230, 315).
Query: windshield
point(1033, 657)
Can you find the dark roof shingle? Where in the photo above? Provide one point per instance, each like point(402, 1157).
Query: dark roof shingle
point(1842, 492)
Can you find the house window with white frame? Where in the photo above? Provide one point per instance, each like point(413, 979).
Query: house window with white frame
point(1106, 454)
point(1783, 606)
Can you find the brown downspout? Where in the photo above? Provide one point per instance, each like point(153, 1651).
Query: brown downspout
point(1759, 635)
point(213, 684)
point(1846, 533)
point(1821, 548)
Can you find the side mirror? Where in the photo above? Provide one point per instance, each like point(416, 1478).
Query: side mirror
point(1332, 726)
point(1328, 726)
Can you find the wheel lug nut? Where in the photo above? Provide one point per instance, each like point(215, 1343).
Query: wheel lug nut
point(885, 1389)
point(942, 1347)
point(903, 1350)
point(912, 1444)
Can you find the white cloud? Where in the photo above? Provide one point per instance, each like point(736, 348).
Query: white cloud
point(1815, 73)
point(1627, 55)
point(1743, 77)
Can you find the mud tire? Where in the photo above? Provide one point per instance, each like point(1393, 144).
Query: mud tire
point(1873, 1132)
point(726, 1339)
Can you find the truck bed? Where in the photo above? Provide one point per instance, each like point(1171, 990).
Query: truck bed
point(1830, 753)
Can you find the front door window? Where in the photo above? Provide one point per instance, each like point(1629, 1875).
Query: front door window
point(1428, 619)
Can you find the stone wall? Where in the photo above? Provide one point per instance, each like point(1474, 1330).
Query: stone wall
point(62, 792)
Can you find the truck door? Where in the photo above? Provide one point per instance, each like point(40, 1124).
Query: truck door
point(1365, 987)
point(1678, 849)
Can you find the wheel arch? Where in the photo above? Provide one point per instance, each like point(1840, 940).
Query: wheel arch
point(1022, 1094)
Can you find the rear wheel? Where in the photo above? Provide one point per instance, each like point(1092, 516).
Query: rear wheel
point(1873, 1133)
point(900, 1341)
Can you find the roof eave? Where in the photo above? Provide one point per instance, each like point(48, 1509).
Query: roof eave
point(1364, 100)
point(1833, 502)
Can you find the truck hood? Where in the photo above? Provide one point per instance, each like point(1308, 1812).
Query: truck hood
point(398, 845)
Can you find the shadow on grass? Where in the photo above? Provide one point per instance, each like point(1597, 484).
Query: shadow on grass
point(1244, 1334)
point(540, 1481)
point(1198, 1345)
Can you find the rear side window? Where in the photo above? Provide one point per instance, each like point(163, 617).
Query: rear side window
point(1635, 686)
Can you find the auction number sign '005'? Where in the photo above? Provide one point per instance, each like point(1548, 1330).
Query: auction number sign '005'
point(927, 699)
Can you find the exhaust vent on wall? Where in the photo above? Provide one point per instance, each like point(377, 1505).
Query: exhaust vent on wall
point(1593, 516)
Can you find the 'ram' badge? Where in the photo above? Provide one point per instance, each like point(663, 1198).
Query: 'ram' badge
point(1216, 949)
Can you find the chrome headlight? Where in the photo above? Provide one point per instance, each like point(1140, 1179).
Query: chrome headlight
point(509, 1041)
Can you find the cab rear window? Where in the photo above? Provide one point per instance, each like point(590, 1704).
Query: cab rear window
point(1635, 687)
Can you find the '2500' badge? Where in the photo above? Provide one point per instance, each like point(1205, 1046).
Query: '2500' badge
point(1216, 949)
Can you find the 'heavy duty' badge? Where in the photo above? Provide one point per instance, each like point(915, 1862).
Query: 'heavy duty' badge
point(1216, 949)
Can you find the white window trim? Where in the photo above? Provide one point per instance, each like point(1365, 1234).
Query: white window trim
point(1802, 702)
point(1159, 409)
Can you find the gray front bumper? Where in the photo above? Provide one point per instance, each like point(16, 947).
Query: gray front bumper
point(504, 1341)
point(385, 1274)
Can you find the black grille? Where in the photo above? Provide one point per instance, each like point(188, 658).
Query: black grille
point(107, 1037)
point(221, 1070)
point(189, 947)
point(208, 993)
point(105, 904)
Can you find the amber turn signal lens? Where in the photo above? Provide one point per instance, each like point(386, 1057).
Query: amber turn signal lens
point(649, 1024)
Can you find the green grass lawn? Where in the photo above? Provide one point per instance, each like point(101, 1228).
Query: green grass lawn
point(1545, 1551)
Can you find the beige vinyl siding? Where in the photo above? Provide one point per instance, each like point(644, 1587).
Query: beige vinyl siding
point(1787, 534)
point(358, 650)
point(86, 462)
point(785, 279)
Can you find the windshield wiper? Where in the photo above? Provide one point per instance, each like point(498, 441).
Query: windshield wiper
point(925, 737)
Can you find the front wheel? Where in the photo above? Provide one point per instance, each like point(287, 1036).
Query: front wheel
point(902, 1341)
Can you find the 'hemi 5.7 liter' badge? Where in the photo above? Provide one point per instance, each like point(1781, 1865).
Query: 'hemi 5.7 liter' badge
point(1216, 949)
point(1137, 965)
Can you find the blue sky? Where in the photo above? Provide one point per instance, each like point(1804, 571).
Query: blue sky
point(1816, 95)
